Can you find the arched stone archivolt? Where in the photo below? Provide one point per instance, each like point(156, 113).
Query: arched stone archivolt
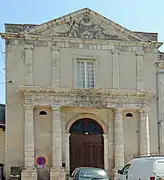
point(89, 116)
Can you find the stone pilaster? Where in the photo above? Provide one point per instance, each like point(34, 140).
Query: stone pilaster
point(161, 113)
point(55, 67)
point(56, 138)
point(162, 136)
point(105, 152)
point(115, 71)
point(57, 172)
point(111, 144)
point(144, 132)
point(119, 139)
point(28, 137)
point(29, 64)
point(139, 62)
point(29, 172)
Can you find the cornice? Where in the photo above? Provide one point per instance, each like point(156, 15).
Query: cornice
point(17, 36)
point(159, 64)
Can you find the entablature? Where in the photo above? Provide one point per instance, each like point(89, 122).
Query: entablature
point(100, 98)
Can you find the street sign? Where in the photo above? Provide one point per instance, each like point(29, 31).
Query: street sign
point(41, 161)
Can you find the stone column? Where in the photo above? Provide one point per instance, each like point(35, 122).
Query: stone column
point(57, 172)
point(66, 150)
point(111, 144)
point(115, 62)
point(105, 152)
point(119, 139)
point(29, 64)
point(29, 171)
point(139, 62)
point(144, 132)
point(55, 67)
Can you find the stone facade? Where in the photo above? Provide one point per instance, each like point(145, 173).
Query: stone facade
point(42, 61)
point(160, 100)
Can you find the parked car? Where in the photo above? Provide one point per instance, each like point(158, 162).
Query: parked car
point(143, 168)
point(89, 173)
point(73, 173)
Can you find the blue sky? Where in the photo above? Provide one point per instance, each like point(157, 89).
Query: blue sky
point(138, 15)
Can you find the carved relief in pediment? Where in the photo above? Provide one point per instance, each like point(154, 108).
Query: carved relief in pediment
point(86, 29)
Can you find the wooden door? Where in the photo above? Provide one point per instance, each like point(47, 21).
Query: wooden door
point(86, 151)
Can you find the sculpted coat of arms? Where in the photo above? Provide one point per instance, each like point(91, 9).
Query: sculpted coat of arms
point(86, 29)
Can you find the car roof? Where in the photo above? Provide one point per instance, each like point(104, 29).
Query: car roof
point(149, 158)
point(81, 168)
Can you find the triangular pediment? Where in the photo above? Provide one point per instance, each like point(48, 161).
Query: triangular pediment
point(85, 24)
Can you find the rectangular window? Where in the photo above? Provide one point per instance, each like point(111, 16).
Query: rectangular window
point(85, 73)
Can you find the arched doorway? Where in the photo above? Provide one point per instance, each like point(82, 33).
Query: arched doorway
point(86, 144)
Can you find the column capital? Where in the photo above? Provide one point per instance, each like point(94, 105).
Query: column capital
point(29, 46)
point(139, 53)
point(56, 107)
point(28, 106)
point(105, 136)
point(115, 52)
point(144, 110)
point(67, 135)
point(118, 109)
point(54, 48)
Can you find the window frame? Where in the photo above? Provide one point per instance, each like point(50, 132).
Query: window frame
point(85, 60)
point(125, 167)
point(129, 113)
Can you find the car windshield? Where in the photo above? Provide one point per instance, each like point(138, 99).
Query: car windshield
point(74, 172)
point(91, 174)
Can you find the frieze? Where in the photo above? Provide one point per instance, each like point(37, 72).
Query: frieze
point(110, 103)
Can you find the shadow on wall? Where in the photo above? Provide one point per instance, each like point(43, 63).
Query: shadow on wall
point(2, 117)
point(2, 133)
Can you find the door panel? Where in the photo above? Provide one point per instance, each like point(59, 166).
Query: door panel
point(95, 150)
point(86, 151)
point(77, 152)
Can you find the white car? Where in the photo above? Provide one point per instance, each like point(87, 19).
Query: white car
point(143, 168)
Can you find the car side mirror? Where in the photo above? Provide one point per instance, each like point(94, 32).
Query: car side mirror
point(119, 171)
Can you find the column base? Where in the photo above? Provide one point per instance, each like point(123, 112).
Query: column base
point(57, 173)
point(29, 174)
